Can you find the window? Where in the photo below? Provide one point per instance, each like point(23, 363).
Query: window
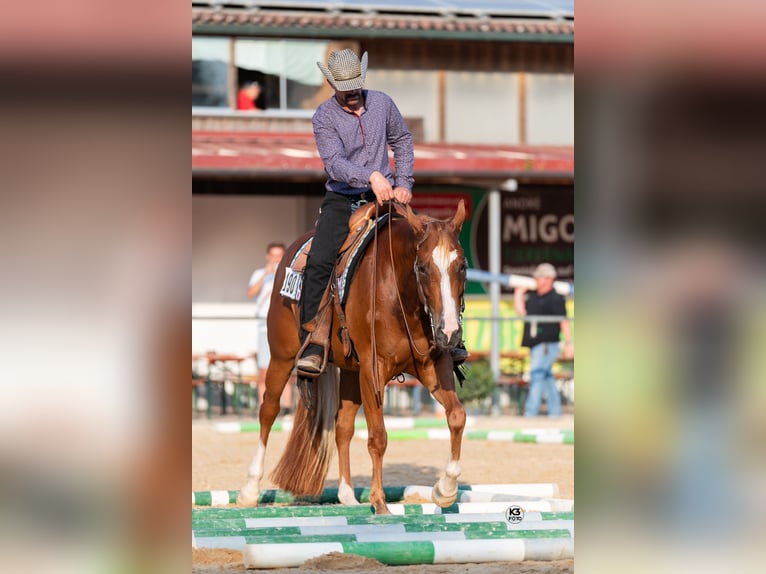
point(210, 72)
point(482, 107)
point(550, 109)
point(285, 69)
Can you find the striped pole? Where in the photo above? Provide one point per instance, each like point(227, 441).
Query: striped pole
point(232, 427)
point(390, 423)
point(471, 495)
point(392, 493)
point(215, 529)
point(205, 522)
point(543, 489)
point(368, 510)
point(237, 542)
point(414, 552)
point(548, 436)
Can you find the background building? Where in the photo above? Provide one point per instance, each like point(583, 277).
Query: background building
point(486, 88)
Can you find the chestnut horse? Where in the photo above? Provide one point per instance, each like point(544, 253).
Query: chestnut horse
point(409, 284)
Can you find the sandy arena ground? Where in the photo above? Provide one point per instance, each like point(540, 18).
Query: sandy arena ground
point(220, 461)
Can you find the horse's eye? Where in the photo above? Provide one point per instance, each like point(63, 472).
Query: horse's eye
point(422, 269)
point(462, 267)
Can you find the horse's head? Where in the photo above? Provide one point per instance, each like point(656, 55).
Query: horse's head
point(440, 268)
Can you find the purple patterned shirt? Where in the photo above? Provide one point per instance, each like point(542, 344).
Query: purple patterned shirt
point(352, 147)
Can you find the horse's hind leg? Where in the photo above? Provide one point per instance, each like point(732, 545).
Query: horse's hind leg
point(444, 492)
point(276, 377)
point(350, 400)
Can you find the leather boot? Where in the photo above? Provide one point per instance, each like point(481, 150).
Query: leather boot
point(311, 361)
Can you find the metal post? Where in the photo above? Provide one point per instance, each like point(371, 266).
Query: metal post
point(209, 389)
point(493, 216)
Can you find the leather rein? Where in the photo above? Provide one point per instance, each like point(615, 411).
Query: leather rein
point(413, 345)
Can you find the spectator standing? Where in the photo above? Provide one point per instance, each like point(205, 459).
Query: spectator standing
point(260, 287)
point(247, 96)
point(543, 339)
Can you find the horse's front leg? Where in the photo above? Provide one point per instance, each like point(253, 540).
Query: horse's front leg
point(444, 492)
point(377, 439)
point(276, 378)
point(350, 400)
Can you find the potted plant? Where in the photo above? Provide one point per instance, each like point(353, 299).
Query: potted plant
point(479, 384)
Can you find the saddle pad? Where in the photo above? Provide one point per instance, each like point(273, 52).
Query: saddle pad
point(292, 286)
point(346, 273)
point(293, 283)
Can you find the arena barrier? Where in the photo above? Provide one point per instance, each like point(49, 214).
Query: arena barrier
point(392, 493)
point(291, 525)
point(414, 552)
point(239, 539)
point(546, 436)
point(230, 427)
point(276, 536)
point(562, 505)
point(286, 540)
point(222, 534)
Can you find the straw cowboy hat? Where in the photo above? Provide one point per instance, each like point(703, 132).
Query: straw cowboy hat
point(344, 71)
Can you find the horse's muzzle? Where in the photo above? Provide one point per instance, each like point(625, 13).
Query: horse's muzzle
point(443, 342)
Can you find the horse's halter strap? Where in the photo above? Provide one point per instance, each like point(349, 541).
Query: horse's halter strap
point(413, 345)
point(422, 295)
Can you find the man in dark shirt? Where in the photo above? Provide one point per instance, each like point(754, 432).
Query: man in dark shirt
point(542, 338)
point(353, 130)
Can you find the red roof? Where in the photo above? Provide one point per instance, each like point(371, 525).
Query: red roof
point(335, 22)
point(291, 156)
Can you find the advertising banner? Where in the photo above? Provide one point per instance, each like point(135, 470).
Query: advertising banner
point(536, 225)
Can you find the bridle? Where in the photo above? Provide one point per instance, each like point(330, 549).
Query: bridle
point(421, 294)
point(373, 342)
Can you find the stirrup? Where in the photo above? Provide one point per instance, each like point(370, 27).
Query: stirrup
point(309, 366)
point(323, 358)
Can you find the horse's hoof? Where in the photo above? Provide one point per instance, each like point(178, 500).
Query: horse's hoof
point(382, 509)
point(248, 495)
point(440, 499)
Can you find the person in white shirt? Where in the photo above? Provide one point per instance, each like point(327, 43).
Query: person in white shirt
point(260, 287)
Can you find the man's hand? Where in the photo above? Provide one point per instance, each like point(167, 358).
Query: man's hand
point(518, 301)
point(381, 187)
point(402, 195)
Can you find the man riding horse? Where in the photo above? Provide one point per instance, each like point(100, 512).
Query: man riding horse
point(353, 130)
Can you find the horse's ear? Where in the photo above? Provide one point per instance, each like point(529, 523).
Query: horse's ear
point(459, 218)
point(415, 222)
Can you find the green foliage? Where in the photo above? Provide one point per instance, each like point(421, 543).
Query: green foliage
point(479, 382)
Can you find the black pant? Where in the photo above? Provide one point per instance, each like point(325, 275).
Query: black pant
point(331, 231)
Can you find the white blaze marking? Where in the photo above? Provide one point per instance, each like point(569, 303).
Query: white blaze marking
point(443, 259)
